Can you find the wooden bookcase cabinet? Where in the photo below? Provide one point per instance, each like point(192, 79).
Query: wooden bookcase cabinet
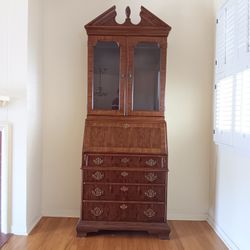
point(124, 164)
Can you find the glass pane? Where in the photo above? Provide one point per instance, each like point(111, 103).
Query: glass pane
point(106, 76)
point(146, 85)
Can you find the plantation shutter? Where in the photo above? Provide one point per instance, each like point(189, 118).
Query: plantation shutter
point(223, 110)
point(243, 28)
point(243, 35)
point(248, 26)
point(220, 42)
point(242, 110)
point(230, 34)
point(232, 88)
point(226, 39)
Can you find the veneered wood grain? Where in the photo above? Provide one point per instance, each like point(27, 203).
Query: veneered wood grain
point(125, 150)
point(124, 160)
point(123, 192)
point(123, 211)
point(124, 176)
point(125, 137)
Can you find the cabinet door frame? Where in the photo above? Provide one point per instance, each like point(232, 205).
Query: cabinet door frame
point(92, 41)
point(131, 43)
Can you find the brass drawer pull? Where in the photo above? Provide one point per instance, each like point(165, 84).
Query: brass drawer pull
point(97, 192)
point(150, 193)
point(125, 160)
point(98, 176)
point(98, 161)
point(151, 177)
point(96, 211)
point(126, 125)
point(151, 162)
point(123, 206)
point(149, 213)
point(124, 174)
point(124, 189)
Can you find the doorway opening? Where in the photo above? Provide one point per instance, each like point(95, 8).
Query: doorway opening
point(4, 182)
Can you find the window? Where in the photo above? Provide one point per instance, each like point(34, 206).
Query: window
point(232, 84)
point(223, 110)
point(242, 110)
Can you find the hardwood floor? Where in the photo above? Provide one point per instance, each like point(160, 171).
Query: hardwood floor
point(59, 233)
point(4, 238)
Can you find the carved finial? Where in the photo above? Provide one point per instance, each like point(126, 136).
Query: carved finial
point(128, 12)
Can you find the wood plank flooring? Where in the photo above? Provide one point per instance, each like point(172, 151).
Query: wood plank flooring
point(59, 233)
point(4, 238)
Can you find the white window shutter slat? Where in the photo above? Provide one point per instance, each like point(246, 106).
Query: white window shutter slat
point(248, 26)
point(223, 110)
point(243, 28)
point(226, 38)
point(242, 110)
point(220, 42)
point(230, 33)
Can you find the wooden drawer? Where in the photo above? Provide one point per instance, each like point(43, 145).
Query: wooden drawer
point(123, 192)
point(118, 211)
point(124, 161)
point(124, 176)
point(139, 161)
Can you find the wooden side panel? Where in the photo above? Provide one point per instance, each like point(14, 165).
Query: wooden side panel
point(125, 137)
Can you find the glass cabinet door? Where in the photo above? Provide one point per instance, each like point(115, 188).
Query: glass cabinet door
point(146, 81)
point(106, 81)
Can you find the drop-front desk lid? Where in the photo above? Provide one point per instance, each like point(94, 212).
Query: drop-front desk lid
point(125, 136)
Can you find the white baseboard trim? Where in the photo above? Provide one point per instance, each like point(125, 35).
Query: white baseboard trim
point(220, 232)
point(171, 216)
point(17, 230)
point(33, 224)
point(25, 230)
point(180, 216)
point(74, 213)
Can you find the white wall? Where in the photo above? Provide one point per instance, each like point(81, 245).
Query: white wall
point(229, 196)
point(13, 72)
point(34, 115)
point(190, 71)
point(230, 203)
point(21, 79)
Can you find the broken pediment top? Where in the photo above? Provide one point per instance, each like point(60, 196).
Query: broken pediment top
point(107, 20)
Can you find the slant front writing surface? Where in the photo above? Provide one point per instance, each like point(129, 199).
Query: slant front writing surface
point(146, 83)
point(106, 75)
